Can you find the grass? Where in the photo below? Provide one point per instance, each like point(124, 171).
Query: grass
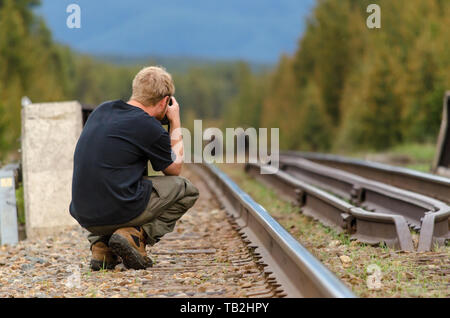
point(402, 274)
point(417, 152)
point(414, 156)
point(421, 156)
point(422, 167)
point(20, 205)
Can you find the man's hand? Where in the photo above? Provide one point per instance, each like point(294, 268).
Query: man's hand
point(173, 112)
point(176, 138)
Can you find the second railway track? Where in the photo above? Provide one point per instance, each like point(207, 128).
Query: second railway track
point(370, 205)
point(424, 183)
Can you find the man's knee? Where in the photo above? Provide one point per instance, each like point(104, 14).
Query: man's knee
point(190, 193)
point(175, 189)
point(184, 185)
point(191, 189)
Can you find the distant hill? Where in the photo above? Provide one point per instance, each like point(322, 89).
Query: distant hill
point(179, 64)
point(253, 30)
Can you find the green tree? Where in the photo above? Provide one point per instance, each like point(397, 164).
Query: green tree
point(245, 108)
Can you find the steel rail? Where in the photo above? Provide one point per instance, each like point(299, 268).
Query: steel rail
point(297, 271)
point(422, 212)
point(368, 227)
point(373, 195)
point(425, 183)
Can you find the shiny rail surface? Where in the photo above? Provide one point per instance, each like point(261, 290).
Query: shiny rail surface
point(422, 212)
point(297, 271)
point(425, 183)
point(367, 227)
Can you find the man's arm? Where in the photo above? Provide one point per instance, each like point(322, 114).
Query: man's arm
point(176, 139)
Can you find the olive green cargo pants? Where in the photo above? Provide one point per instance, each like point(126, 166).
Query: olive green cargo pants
point(171, 197)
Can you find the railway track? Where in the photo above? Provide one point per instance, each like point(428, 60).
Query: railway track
point(225, 246)
point(374, 211)
point(296, 271)
point(424, 183)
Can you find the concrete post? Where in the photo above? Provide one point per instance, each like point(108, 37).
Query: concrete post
point(50, 132)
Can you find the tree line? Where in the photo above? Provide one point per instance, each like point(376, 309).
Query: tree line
point(33, 65)
point(348, 87)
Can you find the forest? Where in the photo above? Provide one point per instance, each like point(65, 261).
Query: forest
point(347, 87)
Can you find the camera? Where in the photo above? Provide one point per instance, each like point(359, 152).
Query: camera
point(165, 120)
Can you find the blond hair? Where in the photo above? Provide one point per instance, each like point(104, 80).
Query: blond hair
point(151, 85)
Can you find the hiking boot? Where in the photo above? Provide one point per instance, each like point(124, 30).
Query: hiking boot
point(129, 244)
point(103, 257)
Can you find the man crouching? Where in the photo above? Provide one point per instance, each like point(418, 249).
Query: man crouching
point(122, 210)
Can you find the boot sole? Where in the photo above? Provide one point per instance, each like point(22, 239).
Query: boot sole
point(97, 265)
point(130, 256)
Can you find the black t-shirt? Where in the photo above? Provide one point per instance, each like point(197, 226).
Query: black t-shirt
point(110, 159)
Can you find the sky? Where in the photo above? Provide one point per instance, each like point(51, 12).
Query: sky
point(257, 31)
